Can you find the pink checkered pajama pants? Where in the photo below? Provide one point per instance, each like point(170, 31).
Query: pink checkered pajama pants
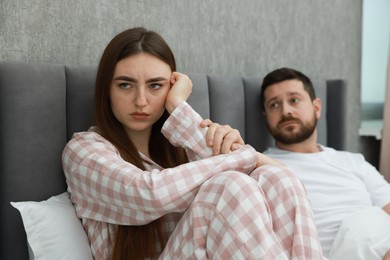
point(265, 215)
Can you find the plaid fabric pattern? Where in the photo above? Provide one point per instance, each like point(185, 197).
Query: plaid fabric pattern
point(262, 216)
point(211, 192)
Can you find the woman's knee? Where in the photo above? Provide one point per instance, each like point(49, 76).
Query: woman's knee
point(229, 183)
point(276, 176)
point(229, 177)
point(273, 173)
point(277, 172)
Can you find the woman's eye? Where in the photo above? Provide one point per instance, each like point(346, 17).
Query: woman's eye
point(124, 85)
point(155, 86)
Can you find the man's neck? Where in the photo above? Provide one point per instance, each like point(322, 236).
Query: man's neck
point(307, 146)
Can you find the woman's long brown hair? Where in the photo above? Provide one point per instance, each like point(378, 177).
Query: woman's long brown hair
point(134, 242)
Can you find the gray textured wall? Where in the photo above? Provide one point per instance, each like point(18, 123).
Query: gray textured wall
point(251, 37)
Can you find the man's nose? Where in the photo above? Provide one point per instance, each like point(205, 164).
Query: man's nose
point(286, 109)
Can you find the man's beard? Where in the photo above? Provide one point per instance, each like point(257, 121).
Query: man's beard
point(304, 132)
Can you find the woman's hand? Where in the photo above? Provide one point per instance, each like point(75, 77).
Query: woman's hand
point(222, 138)
point(180, 91)
point(265, 160)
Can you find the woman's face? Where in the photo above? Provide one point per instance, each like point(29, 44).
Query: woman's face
point(138, 91)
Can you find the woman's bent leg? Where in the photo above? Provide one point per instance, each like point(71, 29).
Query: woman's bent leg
point(293, 221)
point(228, 219)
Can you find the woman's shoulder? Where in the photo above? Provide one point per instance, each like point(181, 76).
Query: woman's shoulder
point(91, 137)
point(88, 143)
point(92, 133)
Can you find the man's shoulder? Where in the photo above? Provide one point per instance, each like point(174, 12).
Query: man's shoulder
point(325, 153)
point(343, 154)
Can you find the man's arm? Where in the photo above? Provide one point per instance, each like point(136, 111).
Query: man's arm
point(386, 208)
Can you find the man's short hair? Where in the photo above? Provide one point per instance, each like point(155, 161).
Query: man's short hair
point(283, 74)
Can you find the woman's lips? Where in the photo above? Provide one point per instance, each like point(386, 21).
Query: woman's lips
point(139, 115)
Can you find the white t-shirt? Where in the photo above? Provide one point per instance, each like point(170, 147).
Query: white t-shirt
point(338, 184)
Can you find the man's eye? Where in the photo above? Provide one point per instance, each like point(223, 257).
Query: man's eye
point(273, 105)
point(295, 100)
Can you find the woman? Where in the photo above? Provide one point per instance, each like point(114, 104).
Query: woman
point(146, 185)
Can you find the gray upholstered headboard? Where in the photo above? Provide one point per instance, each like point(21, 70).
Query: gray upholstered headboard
point(42, 105)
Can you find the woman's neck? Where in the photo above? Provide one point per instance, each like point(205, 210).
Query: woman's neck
point(140, 140)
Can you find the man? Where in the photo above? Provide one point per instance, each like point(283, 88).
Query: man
point(350, 198)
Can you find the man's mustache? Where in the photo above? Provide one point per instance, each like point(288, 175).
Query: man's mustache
point(288, 119)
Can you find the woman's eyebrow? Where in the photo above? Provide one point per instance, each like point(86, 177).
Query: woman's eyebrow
point(156, 79)
point(125, 78)
point(130, 79)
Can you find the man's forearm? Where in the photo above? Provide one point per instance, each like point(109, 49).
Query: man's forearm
point(387, 208)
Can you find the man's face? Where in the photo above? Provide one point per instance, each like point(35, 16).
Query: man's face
point(290, 113)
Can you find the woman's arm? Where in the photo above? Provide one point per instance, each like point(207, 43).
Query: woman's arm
point(182, 128)
point(106, 188)
point(222, 139)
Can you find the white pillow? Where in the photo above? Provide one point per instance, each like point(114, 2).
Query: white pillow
point(53, 229)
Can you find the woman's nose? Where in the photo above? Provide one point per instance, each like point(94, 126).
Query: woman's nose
point(140, 99)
